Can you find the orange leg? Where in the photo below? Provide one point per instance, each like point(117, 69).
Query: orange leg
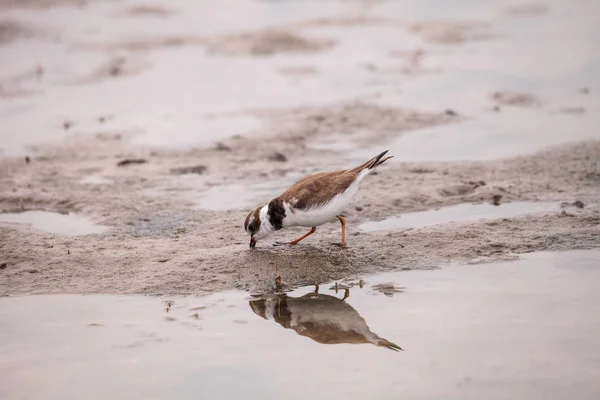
point(294, 242)
point(343, 221)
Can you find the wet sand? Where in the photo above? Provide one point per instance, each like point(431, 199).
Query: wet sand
point(227, 115)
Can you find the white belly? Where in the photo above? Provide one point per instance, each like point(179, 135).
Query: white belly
point(319, 215)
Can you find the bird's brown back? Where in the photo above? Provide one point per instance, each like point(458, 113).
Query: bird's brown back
point(318, 189)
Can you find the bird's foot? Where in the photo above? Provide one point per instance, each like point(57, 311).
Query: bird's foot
point(340, 245)
point(284, 243)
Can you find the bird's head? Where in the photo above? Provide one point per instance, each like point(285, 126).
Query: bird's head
point(255, 227)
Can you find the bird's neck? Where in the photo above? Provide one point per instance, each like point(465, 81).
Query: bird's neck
point(274, 213)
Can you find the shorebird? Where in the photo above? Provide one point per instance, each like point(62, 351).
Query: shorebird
point(323, 318)
point(310, 202)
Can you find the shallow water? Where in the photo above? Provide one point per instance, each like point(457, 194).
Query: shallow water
point(182, 97)
point(491, 136)
point(463, 77)
point(459, 213)
point(525, 329)
point(238, 196)
point(62, 224)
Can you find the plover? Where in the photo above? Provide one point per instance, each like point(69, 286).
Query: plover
point(310, 202)
point(323, 318)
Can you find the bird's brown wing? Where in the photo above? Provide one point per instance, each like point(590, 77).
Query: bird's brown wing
point(318, 189)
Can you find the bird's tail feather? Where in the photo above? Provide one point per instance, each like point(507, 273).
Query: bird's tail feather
point(374, 162)
point(389, 345)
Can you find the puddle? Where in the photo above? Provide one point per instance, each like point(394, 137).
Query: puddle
point(490, 137)
point(62, 224)
point(236, 196)
point(459, 213)
point(202, 132)
point(231, 196)
point(467, 332)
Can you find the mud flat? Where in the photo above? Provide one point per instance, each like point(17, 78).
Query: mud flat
point(164, 236)
point(162, 143)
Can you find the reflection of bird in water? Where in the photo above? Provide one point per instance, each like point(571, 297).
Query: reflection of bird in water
point(323, 318)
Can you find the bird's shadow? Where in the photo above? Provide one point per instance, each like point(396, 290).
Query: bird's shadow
point(323, 318)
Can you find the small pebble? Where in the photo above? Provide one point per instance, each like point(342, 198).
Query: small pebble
point(277, 156)
point(196, 169)
point(222, 147)
point(130, 161)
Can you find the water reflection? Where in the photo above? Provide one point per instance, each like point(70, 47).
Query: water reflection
point(323, 318)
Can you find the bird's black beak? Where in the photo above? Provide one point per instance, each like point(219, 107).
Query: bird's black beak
point(252, 242)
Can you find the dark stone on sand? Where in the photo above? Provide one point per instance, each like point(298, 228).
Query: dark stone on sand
point(451, 112)
point(222, 147)
point(563, 213)
point(576, 203)
point(3, 265)
point(572, 110)
point(358, 208)
point(496, 199)
point(477, 184)
point(196, 169)
point(421, 170)
point(27, 159)
point(277, 156)
point(130, 161)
